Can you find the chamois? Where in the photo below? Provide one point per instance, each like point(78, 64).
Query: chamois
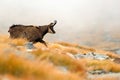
point(31, 33)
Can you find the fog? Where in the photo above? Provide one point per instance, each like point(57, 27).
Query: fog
point(73, 16)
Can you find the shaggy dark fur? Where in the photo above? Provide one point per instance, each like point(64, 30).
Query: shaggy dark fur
point(30, 32)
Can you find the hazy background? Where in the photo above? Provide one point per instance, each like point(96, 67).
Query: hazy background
point(73, 16)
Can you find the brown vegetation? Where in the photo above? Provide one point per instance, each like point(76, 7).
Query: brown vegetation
point(47, 63)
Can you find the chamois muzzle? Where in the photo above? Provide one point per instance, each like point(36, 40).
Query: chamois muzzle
point(51, 27)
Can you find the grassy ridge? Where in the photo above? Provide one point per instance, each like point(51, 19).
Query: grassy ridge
point(48, 63)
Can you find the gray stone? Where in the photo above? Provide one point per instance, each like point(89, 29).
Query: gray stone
point(97, 72)
point(78, 56)
point(29, 45)
point(92, 55)
point(101, 57)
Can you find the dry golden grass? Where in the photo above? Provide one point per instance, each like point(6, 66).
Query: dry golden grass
point(45, 66)
point(40, 68)
point(106, 65)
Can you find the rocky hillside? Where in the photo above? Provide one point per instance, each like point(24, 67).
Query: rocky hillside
point(22, 60)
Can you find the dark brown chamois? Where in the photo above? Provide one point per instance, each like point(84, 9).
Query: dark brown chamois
point(30, 32)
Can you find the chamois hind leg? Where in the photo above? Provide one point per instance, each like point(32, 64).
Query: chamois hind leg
point(42, 41)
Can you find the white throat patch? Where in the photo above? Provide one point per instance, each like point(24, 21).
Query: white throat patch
point(49, 30)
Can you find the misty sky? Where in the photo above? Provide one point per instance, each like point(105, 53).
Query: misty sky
point(70, 14)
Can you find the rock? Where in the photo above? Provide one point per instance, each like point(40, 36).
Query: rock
point(92, 55)
point(88, 55)
point(97, 72)
point(29, 46)
point(78, 56)
point(107, 76)
point(101, 57)
point(97, 56)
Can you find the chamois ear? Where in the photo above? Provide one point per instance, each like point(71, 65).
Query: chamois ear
point(53, 24)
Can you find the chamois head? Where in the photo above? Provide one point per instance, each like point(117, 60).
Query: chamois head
point(50, 27)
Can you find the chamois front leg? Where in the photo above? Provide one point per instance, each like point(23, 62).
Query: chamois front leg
point(42, 41)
